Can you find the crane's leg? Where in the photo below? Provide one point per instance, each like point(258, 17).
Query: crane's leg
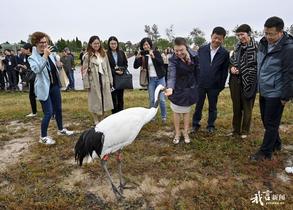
point(122, 182)
point(115, 190)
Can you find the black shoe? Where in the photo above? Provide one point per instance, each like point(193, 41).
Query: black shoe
point(211, 130)
point(277, 148)
point(194, 129)
point(260, 156)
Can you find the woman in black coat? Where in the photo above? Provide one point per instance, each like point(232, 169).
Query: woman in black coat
point(182, 85)
point(152, 60)
point(118, 63)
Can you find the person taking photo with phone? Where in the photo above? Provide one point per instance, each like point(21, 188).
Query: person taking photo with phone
point(47, 84)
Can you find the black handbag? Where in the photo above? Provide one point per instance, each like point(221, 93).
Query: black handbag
point(30, 76)
point(123, 81)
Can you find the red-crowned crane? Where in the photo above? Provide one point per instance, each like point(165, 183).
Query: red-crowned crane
point(114, 133)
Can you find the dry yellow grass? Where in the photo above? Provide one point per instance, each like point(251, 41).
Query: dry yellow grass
point(213, 172)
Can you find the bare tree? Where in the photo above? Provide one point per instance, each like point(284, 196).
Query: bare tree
point(197, 36)
point(196, 32)
point(156, 33)
point(170, 33)
point(152, 32)
point(148, 31)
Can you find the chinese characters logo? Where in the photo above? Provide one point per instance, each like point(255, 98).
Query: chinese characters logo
point(268, 198)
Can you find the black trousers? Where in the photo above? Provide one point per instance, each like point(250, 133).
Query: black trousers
point(2, 82)
point(271, 110)
point(166, 75)
point(242, 107)
point(212, 95)
point(12, 79)
point(17, 77)
point(32, 97)
point(118, 100)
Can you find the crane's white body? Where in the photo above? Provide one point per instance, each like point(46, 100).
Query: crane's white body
point(121, 129)
point(113, 134)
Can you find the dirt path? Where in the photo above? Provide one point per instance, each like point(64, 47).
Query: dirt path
point(18, 137)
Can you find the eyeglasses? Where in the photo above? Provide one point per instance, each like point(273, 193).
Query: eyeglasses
point(43, 42)
point(271, 34)
point(241, 34)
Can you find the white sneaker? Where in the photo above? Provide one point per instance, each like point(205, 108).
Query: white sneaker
point(244, 136)
point(31, 115)
point(46, 140)
point(289, 170)
point(66, 132)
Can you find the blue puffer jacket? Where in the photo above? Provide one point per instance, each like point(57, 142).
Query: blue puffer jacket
point(275, 69)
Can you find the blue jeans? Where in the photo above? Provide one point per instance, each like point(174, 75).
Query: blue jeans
point(153, 83)
point(71, 79)
point(212, 99)
point(52, 103)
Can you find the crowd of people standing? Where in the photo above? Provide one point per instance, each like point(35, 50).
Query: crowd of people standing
point(189, 76)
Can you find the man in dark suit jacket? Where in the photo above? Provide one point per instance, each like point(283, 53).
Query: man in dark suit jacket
point(213, 62)
point(10, 62)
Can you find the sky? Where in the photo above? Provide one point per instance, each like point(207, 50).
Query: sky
point(126, 19)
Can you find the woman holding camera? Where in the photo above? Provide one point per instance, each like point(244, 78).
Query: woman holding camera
point(97, 78)
point(152, 61)
point(118, 63)
point(47, 84)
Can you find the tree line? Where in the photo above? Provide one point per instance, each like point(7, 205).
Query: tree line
point(196, 38)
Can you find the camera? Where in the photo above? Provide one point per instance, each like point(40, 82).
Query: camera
point(53, 48)
point(145, 52)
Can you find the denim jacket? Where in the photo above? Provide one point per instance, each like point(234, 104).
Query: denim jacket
point(40, 66)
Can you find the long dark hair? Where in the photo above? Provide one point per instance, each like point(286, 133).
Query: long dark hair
point(146, 39)
point(91, 51)
point(113, 38)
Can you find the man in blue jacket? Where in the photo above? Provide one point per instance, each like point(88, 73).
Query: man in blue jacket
point(275, 83)
point(213, 62)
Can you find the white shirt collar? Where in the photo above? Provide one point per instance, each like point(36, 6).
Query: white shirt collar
point(215, 50)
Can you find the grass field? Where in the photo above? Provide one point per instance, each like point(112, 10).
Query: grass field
point(213, 172)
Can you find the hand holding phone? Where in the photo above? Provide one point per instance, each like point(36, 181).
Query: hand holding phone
point(47, 52)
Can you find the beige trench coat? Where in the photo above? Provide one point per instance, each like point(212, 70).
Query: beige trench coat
point(92, 81)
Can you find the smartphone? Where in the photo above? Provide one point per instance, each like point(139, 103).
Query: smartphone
point(53, 48)
point(144, 52)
